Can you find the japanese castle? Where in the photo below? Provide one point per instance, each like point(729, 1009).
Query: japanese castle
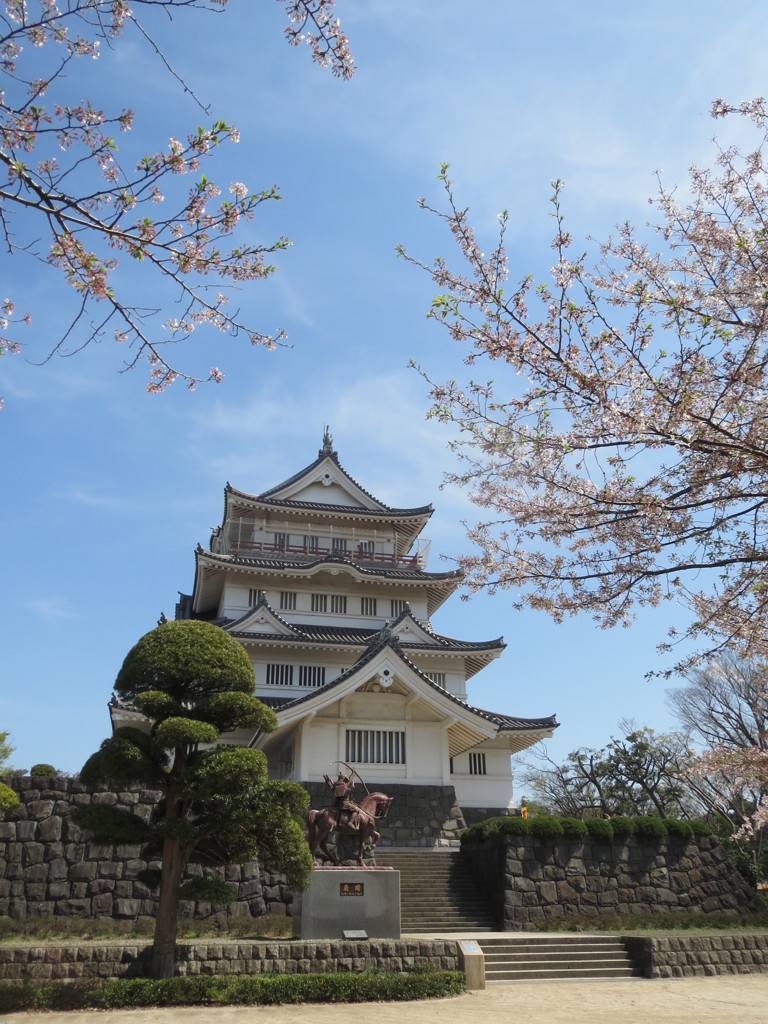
point(327, 590)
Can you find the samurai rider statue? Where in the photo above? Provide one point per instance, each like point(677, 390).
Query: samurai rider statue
point(347, 811)
point(346, 816)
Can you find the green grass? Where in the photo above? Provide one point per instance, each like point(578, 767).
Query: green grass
point(56, 929)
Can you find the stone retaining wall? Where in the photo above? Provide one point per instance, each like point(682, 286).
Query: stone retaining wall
point(678, 956)
point(73, 961)
point(526, 880)
point(48, 867)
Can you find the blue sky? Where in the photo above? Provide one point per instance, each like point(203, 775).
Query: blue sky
point(106, 490)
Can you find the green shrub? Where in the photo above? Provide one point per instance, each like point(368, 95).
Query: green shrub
point(700, 828)
point(573, 828)
point(514, 826)
point(651, 828)
point(473, 834)
point(677, 829)
point(600, 830)
point(492, 828)
point(8, 798)
point(545, 828)
point(42, 771)
point(332, 987)
point(623, 828)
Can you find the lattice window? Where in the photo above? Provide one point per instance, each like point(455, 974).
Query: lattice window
point(339, 604)
point(311, 675)
point(436, 677)
point(254, 596)
point(365, 549)
point(279, 675)
point(367, 605)
point(477, 764)
point(280, 540)
point(339, 546)
point(397, 608)
point(288, 600)
point(311, 544)
point(375, 746)
point(319, 602)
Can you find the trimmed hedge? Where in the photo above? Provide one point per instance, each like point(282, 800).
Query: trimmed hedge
point(232, 990)
point(650, 828)
point(623, 827)
point(678, 829)
point(573, 828)
point(600, 830)
point(551, 829)
point(546, 829)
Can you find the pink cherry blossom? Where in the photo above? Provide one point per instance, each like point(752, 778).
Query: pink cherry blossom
point(88, 227)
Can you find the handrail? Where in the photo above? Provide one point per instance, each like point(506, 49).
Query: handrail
point(306, 552)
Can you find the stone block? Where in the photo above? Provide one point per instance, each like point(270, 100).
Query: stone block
point(40, 808)
point(59, 890)
point(83, 872)
point(127, 908)
point(50, 829)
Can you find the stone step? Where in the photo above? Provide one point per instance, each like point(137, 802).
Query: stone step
point(495, 944)
point(554, 972)
point(532, 956)
point(437, 891)
point(506, 960)
point(519, 959)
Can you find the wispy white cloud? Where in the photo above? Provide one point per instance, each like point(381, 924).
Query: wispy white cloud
point(52, 608)
point(97, 498)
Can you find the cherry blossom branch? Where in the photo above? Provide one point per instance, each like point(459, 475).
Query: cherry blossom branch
point(63, 170)
point(627, 450)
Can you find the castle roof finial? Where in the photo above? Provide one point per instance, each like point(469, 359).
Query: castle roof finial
point(327, 448)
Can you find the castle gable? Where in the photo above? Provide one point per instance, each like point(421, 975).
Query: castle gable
point(261, 620)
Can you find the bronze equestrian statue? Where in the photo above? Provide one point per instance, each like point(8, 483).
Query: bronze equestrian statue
point(347, 817)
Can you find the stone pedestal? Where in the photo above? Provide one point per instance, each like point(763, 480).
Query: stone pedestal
point(342, 899)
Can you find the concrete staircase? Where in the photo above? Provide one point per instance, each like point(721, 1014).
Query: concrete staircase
point(437, 892)
point(523, 958)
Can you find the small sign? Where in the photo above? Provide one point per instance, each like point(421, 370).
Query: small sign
point(351, 889)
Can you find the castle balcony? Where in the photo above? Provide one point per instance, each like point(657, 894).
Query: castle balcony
point(286, 547)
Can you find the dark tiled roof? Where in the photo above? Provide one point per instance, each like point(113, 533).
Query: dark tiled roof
point(514, 723)
point(384, 638)
point(415, 575)
point(326, 452)
point(319, 506)
point(323, 454)
point(276, 702)
point(358, 636)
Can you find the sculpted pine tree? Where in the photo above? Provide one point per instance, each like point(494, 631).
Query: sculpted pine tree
point(71, 198)
point(193, 682)
point(621, 457)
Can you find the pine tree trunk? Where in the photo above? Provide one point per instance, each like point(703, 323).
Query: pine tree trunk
point(163, 959)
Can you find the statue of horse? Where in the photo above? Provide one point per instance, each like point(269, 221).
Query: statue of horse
point(322, 824)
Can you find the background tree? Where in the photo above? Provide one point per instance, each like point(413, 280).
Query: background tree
point(71, 199)
point(8, 797)
point(193, 682)
point(724, 708)
point(624, 459)
point(639, 773)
